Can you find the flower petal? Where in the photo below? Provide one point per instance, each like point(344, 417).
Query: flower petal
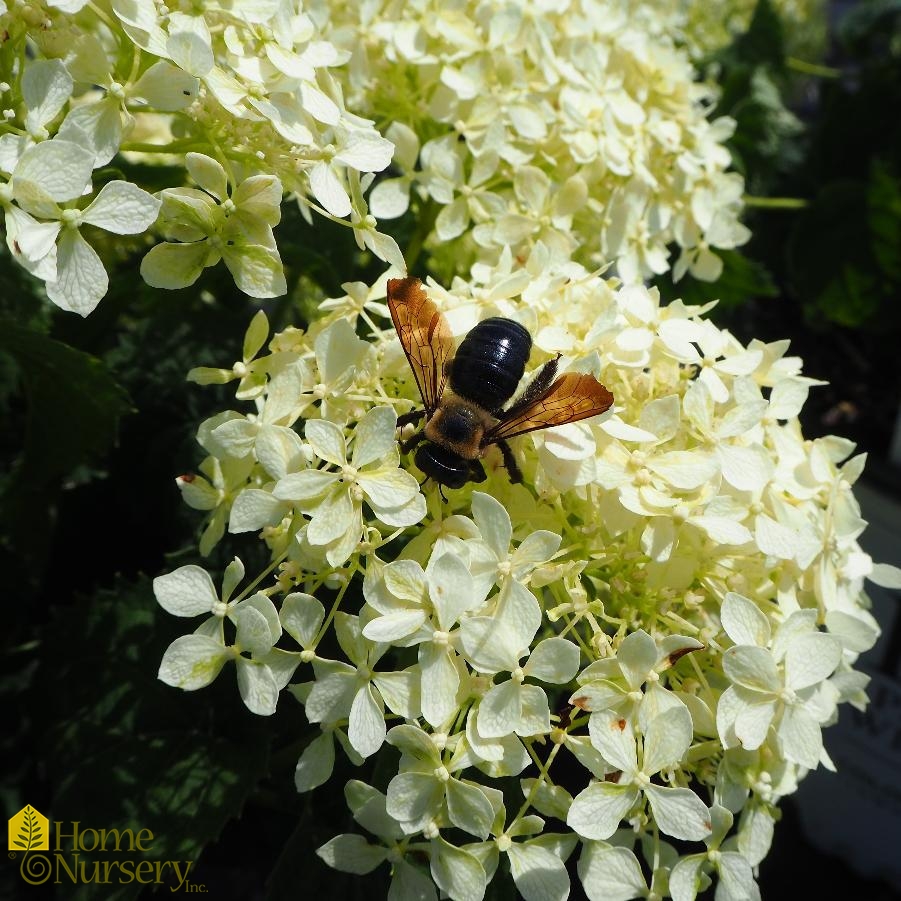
point(331, 518)
point(327, 441)
point(679, 812)
point(61, 168)
point(186, 591)
point(81, 280)
point(192, 662)
point(257, 687)
point(374, 436)
point(366, 725)
point(596, 811)
point(173, 266)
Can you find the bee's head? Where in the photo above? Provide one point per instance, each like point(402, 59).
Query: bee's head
point(443, 465)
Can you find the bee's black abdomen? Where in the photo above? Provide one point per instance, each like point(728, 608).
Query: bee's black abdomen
point(443, 465)
point(490, 362)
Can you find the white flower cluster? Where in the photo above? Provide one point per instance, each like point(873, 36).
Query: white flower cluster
point(648, 635)
point(242, 92)
point(577, 125)
point(568, 123)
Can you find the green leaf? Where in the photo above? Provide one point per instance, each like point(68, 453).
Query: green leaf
point(766, 141)
point(71, 417)
point(753, 81)
point(764, 41)
point(884, 206)
point(742, 279)
point(74, 404)
point(844, 251)
point(139, 754)
point(866, 22)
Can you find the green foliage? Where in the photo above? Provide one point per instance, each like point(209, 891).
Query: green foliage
point(872, 27)
point(844, 251)
point(74, 405)
point(98, 421)
point(763, 44)
point(69, 418)
point(743, 279)
point(884, 204)
point(133, 759)
point(754, 82)
point(824, 266)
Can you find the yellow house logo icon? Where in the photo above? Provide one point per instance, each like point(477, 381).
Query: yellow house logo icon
point(29, 831)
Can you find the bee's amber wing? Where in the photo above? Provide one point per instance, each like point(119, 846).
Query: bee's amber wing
point(572, 397)
point(424, 335)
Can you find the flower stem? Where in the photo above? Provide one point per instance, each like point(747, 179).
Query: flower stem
point(703, 751)
point(337, 603)
point(806, 68)
point(426, 222)
point(776, 203)
point(542, 777)
point(173, 147)
point(104, 17)
point(269, 569)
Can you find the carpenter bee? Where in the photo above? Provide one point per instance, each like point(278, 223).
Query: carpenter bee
point(482, 376)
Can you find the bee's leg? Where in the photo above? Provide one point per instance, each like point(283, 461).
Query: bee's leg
point(411, 442)
point(534, 389)
point(476, 471)
point(409, 418)
point(441, 492)
point(510, 462)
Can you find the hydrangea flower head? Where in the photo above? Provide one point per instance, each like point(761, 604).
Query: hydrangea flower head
point(654, 608)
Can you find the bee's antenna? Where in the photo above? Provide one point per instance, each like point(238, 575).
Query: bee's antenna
point(441, 492)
